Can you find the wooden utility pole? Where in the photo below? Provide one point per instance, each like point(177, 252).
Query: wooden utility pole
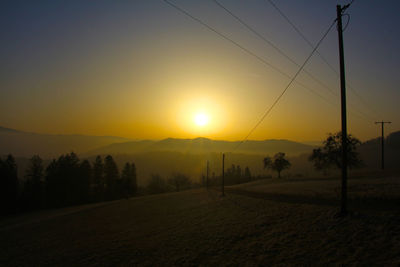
point(339, 12)
point(223, 175)
point(382, 142)
point(207, 176)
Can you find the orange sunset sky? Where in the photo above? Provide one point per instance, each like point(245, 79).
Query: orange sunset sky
point(143, 70)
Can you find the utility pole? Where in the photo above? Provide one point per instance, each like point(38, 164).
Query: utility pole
point(382, 143)
point(223, 175)
point(207, 176)
point(339, 12)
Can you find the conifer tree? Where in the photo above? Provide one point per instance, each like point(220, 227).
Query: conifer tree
point(111, 176)
point(98, 178)
point(34, 184)
point(8, 185)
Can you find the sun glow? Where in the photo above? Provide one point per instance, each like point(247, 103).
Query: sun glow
point(201, 119)
point(199, 113)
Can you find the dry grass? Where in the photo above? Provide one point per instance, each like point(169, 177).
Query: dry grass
point(201, 228)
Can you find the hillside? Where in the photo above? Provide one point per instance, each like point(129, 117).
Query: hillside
point(25, 144)
point(370, 151)
point(187, 156)
point(205, 145)
point(200, 228)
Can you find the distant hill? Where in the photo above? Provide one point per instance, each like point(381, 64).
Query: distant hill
point(204, 145)
point(370, 151)
point(187, 156)
point(8, 130)
point(25, 144)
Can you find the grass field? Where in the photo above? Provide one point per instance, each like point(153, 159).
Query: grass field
point(268, 222)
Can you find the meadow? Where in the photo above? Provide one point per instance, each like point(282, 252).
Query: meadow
point(267, 222)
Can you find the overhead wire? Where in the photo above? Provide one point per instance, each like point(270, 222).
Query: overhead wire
point(280, 51)
point(262, 37)
point(299, 32)
point(248, 51)
point(287, 86)
point(347, 22)
point(226, 38)
point(262, 60)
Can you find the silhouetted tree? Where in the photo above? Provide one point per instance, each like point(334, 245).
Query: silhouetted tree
point(8, 185)
point(128, 178)
point(247, 174)
point(98, 178)
point(179, 181)
point(66, 181)
point(111, 176)
point(330, 155)
point(33, 191)
point(278, 163)
point(320, 160)
point(238, 172)
point(62, 181)
point(157, 185)
point(51, 185)
point(133, 180)
point(85, 176)
point(233, 174)
point(125, 177)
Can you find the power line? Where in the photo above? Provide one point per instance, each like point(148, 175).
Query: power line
point(241, 21)
point(360, 99)
point(226, 38)
point(299, 32)
point(292, 79)
point(262, 60)
point(280, 51)
point(360, 113)
point(258, 58)
point(287, 87)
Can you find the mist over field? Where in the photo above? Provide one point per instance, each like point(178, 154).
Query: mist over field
point(186, 156)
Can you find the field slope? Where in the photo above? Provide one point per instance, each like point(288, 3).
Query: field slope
point(199, 227)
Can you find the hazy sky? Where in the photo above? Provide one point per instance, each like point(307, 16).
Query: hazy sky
point(141, 69)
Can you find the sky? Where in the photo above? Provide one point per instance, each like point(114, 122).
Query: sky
point(144, 70)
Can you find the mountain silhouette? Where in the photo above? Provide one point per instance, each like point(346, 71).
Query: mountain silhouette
point(25, 144)
point(204, 145)
point(8, 130)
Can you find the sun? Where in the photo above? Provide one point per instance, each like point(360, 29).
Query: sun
point(201, 119)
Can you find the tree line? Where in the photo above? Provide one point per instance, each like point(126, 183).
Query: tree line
point(178, 181)
point(70, 181)
point(232, 175)
point(65, 181)
point(324, 158)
